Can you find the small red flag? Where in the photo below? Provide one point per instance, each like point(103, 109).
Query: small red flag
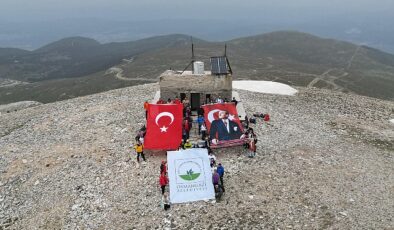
point(164, 126)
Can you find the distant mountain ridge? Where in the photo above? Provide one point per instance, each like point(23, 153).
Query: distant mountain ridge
point(290, 57)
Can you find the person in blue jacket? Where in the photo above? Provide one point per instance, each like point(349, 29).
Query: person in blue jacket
point(200, 121)
point(220, 170)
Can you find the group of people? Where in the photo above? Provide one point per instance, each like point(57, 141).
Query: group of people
point(205, 142)
point(217, 175)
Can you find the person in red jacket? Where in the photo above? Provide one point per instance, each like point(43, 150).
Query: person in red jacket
point(163, 181)
point(163, 167)
point(177, 101)
point(146, 106)
point(160, 101)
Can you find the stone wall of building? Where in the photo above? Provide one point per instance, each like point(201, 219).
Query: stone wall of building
point(172, 85)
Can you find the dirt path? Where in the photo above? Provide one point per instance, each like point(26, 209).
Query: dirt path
point(352, 58)
point(118, 73)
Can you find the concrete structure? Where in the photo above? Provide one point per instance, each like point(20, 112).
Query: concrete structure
point(197, 88)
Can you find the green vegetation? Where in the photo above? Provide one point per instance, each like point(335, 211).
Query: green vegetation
point(77, 66)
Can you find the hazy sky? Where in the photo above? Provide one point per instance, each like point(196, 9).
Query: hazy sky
point(33, 23)
point(11, 10)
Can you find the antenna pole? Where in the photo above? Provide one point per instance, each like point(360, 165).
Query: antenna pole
point(225, 49)
point(191, 38)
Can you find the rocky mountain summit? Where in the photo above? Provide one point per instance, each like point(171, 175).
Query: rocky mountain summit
point(325, 161)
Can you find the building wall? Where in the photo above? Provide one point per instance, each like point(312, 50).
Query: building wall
point(172, 85)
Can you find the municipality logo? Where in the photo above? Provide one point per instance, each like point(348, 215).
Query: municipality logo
point(189, 170)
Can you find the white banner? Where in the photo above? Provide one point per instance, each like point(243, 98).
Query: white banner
point(190, 175)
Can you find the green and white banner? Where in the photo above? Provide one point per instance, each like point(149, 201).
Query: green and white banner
point(190, 175)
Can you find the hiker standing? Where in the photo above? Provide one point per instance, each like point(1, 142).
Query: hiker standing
point(200, 122)
point(215, 178)
point(177, 101)
point(186, 127)
point(163, 181)
point(234, 101)
point(203, 131)
point(212, 158)
point(139, 148)
point(220, 171)
point(252, 147)
point(146, 106)
point(218, 192)
point(219, 100)
point(163, 167)
point(165, 202)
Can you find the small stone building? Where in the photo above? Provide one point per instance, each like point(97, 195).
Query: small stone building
point(198, 85)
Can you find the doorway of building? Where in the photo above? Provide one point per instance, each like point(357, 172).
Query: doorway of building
point(207, 98)
point(195, 101)
point(183, 96)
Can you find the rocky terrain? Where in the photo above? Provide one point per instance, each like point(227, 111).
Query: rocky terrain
point(13, 107)
point(325, 161)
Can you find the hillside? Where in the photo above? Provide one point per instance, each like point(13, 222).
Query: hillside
point(293, 58)
point(325, 161)
point(76, 57)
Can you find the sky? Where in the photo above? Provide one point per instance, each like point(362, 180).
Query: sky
point(32, 23)
point(41, 10)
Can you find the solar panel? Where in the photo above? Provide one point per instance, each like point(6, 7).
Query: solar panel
point(219, 65)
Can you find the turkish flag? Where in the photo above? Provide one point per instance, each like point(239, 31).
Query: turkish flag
point(164, 126)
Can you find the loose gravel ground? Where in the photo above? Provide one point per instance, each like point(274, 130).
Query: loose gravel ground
point(325, 161)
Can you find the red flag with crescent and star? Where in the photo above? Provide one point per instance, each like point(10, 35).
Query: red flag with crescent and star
point(164, 126)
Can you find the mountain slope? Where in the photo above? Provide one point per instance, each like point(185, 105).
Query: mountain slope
point(290, 57)
point(294, 58)
point(77, 57)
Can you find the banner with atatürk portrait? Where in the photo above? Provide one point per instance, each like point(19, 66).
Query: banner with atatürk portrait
point(223, 124)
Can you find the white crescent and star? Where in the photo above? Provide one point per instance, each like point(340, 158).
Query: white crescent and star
point(212, 118)
point(210, 115)
point(164, 114)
